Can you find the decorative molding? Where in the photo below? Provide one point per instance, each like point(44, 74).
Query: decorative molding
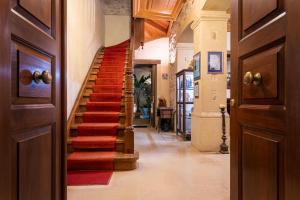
point(208, 115)
point(210, 16)
point(146, 61)
point(184, 45)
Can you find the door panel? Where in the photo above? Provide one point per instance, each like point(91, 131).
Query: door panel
point(35, 169)
point(39, 13)
point(267, 63)
point(25, 62)
point(256, 13)
point(260, 165)
point(264, 124)
point(33, 128)
point(255, 10)
point(41, 9)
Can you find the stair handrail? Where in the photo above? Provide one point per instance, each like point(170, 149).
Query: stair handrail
point(129, 100)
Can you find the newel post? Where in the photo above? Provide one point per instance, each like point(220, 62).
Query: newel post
point(129, 103)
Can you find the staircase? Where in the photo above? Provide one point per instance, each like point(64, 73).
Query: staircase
point(100, 129)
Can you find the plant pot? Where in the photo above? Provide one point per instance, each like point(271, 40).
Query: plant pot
point(146, 113)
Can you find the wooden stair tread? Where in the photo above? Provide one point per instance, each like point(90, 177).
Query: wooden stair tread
point(119, 126)
point(87, 94)
point(103, 155)
point(85, 103)
point(118, 140)
point(80, 114)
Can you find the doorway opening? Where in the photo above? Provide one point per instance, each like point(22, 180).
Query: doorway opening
point(186, 61)
point(144, 95)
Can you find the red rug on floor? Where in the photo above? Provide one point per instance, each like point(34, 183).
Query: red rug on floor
point(76, 178)
point(92, 159)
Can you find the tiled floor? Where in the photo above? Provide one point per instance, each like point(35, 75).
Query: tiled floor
point(169, 169)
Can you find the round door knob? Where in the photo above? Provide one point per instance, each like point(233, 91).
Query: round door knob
point(45, 76)
point(248, 78)
point(257, 79)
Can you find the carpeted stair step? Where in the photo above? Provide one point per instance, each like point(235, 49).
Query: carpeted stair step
point(108, 88)
point(113, 68)
point(100, 97)
point(97, 129)
point(94, 142)
point(94, 160)
point(103, 106)
point(119, 145)
point(112, 60)
point(106, 117)
point(109, 81)
point(105, 83)
point(100, 116)
point(102, 161)
point(112, 75)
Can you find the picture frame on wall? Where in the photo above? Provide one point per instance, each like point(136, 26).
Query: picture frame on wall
point(196, 90)
point(197, 66)
point(215, 62)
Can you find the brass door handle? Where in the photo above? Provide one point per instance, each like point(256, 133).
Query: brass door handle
point(257, 79)
point(232, 102)
point(45, 76)
point(250, 79)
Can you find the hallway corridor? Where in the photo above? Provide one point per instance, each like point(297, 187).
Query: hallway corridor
point(168, 169)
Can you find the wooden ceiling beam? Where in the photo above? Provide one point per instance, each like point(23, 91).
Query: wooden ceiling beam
point(156, 25)
point(143, 10)
point(154, 16)
point(170, 28)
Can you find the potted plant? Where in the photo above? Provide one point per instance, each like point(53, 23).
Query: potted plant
point(147, 108)
point(139, 89)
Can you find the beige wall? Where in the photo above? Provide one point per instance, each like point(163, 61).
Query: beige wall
point(158, 49)
point(117, 29)
point(85, 35)
point(184, 55)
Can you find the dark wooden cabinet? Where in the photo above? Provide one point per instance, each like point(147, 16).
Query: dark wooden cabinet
point(184, 102)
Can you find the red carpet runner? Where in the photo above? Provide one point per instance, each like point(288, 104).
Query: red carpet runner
point(92, 161)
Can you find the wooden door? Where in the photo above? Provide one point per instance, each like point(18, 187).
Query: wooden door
point(30, 102)
point(265, 110)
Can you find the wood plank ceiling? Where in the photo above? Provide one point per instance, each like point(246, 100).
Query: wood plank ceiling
point(158, 16)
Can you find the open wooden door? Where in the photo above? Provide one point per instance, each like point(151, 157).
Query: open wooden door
point(31, 100)
point(265, 104)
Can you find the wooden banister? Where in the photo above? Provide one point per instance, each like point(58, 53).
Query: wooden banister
point(129, 100)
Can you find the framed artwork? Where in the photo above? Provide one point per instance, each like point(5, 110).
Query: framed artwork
point(197, 66)
point(165, 76)
point(196, 90)
point(215, 62)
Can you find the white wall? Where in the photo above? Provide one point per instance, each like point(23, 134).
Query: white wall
point(117, 29)
point(85, 35)
point(158, 50)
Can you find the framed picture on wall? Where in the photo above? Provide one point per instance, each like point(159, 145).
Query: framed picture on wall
point(215, 62)
point(197, 66)
point(196, 90)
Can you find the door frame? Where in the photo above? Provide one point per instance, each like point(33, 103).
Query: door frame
point(64, 97)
